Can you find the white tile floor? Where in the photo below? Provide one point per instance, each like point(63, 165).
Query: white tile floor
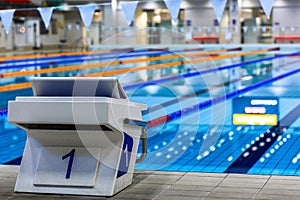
point(179, 186)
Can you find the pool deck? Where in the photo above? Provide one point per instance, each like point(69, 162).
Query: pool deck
point(178, 186)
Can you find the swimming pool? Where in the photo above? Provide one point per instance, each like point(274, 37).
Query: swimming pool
point(205, 140)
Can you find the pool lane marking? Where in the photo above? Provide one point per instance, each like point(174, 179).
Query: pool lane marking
point(43, 55)
point(252, 154)
point(51, 70)
point(205, 71)
point(199, 92)
point(46, 61)
point(82, 59)
point(206, 104)
point(61, 54)
point(118, 62)
point(172, 64)
point(28, 84)
point(112, 54)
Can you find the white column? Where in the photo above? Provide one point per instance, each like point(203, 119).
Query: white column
point(114, 7)
point(110, 21)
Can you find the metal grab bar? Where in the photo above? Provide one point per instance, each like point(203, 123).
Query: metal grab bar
point(144, 146)
point(143, 136)
point(135, 122)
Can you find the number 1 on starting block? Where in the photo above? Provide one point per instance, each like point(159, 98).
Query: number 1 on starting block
point(65, 166)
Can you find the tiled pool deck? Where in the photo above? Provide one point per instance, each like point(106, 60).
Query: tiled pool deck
point(178, 186)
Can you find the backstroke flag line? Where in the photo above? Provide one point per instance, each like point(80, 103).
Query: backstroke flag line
point(87, 14)
point(219, 6)
point(173, 7)
point(6, 18)
point(267, 6)
point(87, 11)
point(129, 10)
point(46, 14)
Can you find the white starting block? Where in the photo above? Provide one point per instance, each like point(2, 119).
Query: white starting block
point(82, 136)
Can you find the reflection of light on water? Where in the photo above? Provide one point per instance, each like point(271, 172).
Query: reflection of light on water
point(280, 143)
point(296, 158)
point(206, 153)
point(212, 148)
point(247, 78)
point(171, 149)
point(152, 89)
point(279, 138)
point(262, 144)
point(246, 154)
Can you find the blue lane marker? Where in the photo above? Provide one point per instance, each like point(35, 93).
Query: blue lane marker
point(247, 160)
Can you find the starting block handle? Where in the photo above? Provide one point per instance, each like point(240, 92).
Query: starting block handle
point(135, 122)
point(144, 146)
point(143, 136)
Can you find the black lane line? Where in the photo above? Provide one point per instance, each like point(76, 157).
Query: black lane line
point(244, 163)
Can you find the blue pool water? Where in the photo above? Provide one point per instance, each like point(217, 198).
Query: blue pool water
point(206, 140)
point(206, 147)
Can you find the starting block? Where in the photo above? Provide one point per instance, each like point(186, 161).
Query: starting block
point(82, 136)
